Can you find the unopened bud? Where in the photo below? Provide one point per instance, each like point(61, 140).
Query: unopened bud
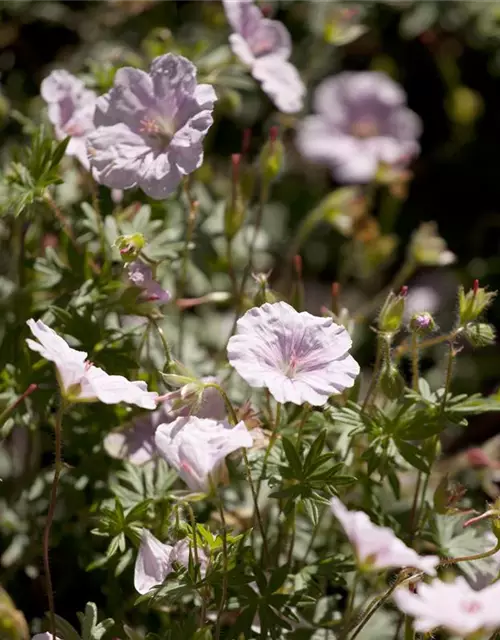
point(391, 315)
point(264, 293)
point(473, 303)
point(422, 322)
point(130, 246)
point(272, 156)
point(391, 381)
point(480, 334)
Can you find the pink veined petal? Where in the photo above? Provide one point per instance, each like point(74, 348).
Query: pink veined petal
point(153, 563)
point(187, 159)
point(44, 636)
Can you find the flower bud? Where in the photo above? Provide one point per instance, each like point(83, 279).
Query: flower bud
point(264, 293)
point(428, 248)
point(480, 334)
point(473, 303)
point(130, 246)
point(272, 156)
point(391, 315)
point(422, 322)
point(391, 381)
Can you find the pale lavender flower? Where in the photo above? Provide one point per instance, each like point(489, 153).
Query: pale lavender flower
point(265, 45)
point(155, 560)
point(454, 606)
point(378, 547)
point(150, 127)
point(361, 122)
point(297, 356)
point(79, 379)
point(153, 563)
point(136, 441)
point(71, 110)
point(196, 448)
point(140, 275)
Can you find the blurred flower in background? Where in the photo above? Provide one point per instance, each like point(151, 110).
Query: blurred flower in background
point(361, 122)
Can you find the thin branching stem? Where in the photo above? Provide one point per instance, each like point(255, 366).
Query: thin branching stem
point(50, 517)
point(224, 569)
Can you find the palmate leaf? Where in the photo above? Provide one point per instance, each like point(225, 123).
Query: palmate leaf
point(454, 541)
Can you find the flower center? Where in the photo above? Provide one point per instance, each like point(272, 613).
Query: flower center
point(161, 130)
point(471, 606)
point(290, 367)
point(364, 128)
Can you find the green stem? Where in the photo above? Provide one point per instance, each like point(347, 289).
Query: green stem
point(272, 440)
point(413, 513)
point(375, 374)
point(409, 632)
point(446, 390)
point(430, 342)
point(184, 266)
point(292, 537)
point(258, 515)
point(264, 196)
point(308, 224)
point(225, 570)
point(192, 520)
point(314, 534)
point(350, 606)
point(414, 361)
point(374, 607)
point(234, 420)
point(50, 517)
point(166, 348)
point(479, 556)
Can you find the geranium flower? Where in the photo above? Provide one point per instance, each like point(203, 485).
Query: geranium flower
point(71, 110)
point(455, 606)
point(79, 379)
point(150, 127)
point(196, 448)
point(136, 443)
point(265, 45)
point(378, 547)
point(297, 356)
point(45, 636)
point(361, 122)
point(155, 561)
point(140, 275)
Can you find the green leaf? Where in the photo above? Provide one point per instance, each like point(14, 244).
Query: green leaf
point(413, 455)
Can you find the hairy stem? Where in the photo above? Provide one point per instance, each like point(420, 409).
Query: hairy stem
point(258, 514)
point(430, 342)
point(414, 361)
point(375, 375)
point(50, 518)
point(409, 632)
point(374, 607)
point(6, 412)
point(225, 569)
